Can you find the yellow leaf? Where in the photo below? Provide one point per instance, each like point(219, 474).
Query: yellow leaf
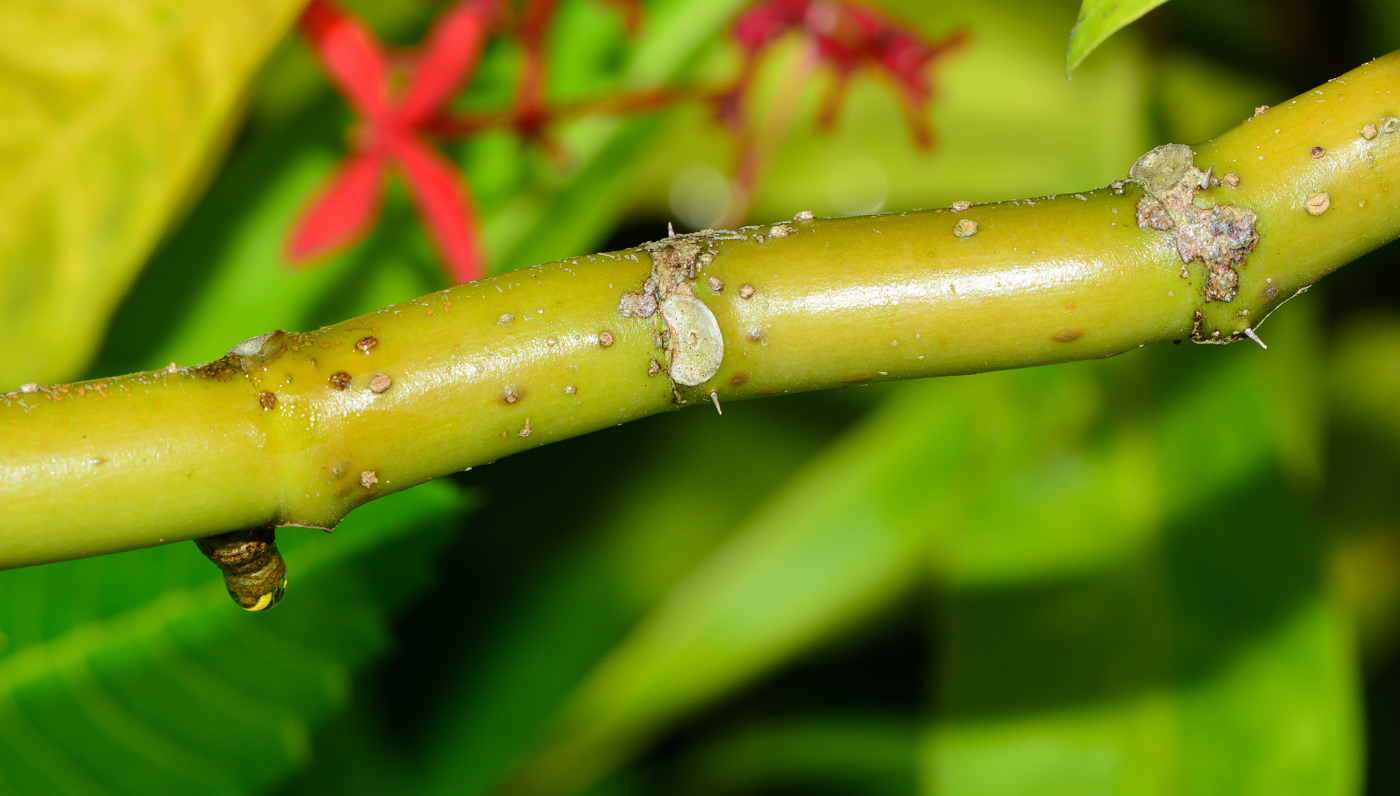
point(112, 112)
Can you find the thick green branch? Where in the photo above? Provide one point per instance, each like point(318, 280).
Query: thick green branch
point(298, 429)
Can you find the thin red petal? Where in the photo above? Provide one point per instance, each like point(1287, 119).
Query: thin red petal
point(349, 53)
point(446, 209)
point(340, 211)
point(766, 21)
point(530, 29)
point(449, 57)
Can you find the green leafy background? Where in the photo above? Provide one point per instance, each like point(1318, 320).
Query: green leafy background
point(1175, 572)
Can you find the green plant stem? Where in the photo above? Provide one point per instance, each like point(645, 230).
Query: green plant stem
point(484, 370)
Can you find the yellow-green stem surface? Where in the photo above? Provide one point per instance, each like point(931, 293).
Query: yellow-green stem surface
point(467, 375)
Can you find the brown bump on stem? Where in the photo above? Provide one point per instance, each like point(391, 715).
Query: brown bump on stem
point(746, 292)
point(340, 380)
point(526, 431)
point(510, 396)
point(1318, 203)
point(716, 284)
point(366, 343)
point(1067, 335)
point(959, 206)
point(965, 229)
point(379, 384)
point(267, 400)
point(641, 305)
point(739, 378)
point(507, 318)
point(1231, 180)
point(805, 215)
point(1221, 282)
point(30, 387)
point(1317, 152)
point(368, 479)
point(1390, 124)
point(1368, 132)
point(779, 231)
point(570, 390)
point(653, 368)
point(605, 339)
point(1261, 110)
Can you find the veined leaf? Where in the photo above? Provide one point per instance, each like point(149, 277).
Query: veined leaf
point(1099, 19)
point(135, 673)
point(112, 113)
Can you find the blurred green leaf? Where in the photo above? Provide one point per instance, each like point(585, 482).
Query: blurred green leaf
point(1363, 510)
point(1199, 98)
point(872, 755)
point(1000, 481)
point(838, 543)
point(113, 112)
point(135, 673)
point(1365, 378)
point(559, 619)
point(1207, 661)
point(1099, 19)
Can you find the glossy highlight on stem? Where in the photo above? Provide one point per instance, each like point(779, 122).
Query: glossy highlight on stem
point(293, 429)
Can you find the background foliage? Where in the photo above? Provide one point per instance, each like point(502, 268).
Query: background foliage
point(1177, 571)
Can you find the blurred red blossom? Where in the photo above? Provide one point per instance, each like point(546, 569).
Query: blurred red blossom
point(388, 133)
point(847, 36)
point(401, 101)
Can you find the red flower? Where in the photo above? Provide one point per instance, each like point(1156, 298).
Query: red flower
point(848, 36)
point(388, 133)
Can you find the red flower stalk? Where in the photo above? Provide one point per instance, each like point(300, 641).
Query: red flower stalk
point(388, 134)
point(531, 27)
point(848, 36)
